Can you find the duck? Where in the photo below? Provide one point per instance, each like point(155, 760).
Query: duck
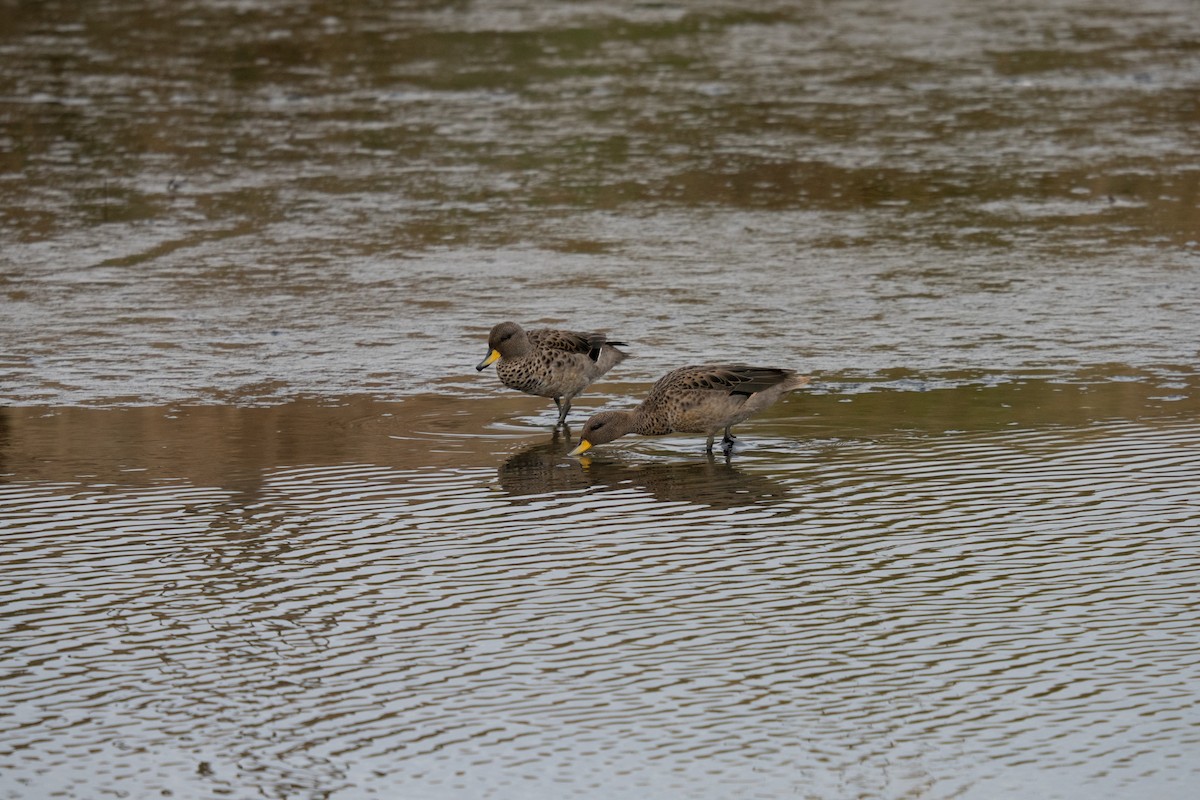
point(547, 362)
point(698, 399)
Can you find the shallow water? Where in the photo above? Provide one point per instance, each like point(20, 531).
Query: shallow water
point(244, 203)
point(429, 599)
point(264, 532)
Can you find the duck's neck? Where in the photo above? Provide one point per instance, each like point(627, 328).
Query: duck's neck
point(642, 423)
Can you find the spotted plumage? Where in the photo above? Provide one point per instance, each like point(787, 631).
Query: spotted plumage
point(550, 363)
point(701, 399)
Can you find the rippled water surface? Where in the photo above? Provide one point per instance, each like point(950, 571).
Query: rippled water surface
point(429, 599)
point(264, 532)
point(225, 201)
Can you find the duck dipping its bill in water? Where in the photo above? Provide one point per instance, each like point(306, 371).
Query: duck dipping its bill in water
point(701, 399)
point(550, 363)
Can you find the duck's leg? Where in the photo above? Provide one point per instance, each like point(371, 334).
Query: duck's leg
point(727, 441)
point(563, 407)
point(708, 449)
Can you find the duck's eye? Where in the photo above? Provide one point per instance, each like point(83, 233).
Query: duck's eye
point(506, 337)
point(598, 426)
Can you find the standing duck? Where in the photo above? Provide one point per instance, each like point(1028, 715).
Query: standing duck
point(548, 362)
point(701, 399)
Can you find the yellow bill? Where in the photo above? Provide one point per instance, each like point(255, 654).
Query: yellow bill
point(487, 362)
point(584, 446)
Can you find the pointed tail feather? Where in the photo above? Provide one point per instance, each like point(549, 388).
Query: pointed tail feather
point(796, 382)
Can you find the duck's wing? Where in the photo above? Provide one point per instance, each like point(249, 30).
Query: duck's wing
point(732, 379)
point(588, 344)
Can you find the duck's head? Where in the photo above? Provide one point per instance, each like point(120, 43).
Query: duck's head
point(603, 428)
point(506, 339)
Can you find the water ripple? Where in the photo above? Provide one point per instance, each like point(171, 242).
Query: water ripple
point(926, 616)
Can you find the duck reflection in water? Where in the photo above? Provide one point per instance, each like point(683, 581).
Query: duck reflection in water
point(542, 469)
point(545, 469)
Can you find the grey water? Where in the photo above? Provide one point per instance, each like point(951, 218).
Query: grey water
point(265, 532)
